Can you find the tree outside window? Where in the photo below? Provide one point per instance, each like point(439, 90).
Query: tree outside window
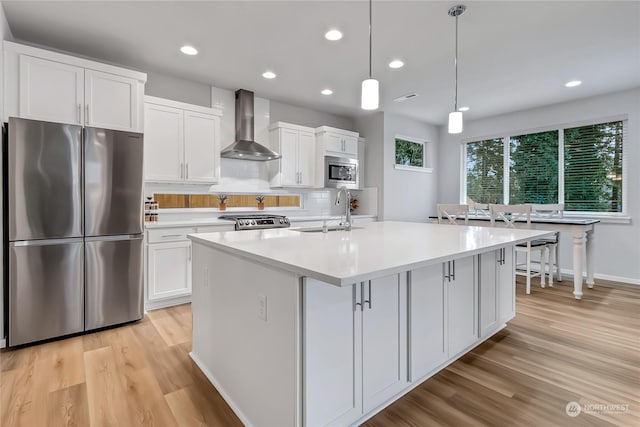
point(409, 153)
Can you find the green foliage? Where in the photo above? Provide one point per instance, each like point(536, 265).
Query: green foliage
point(593, 168)
point(485, 171)
point(533, 168)
point(409, 153)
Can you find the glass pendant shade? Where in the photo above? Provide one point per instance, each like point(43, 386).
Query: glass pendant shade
point(455, 122)
point(370, 94)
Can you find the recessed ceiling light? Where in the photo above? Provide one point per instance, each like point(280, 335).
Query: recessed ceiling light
point(573, 83)
point(189, 50)
point(333, 35)
point(396, 63)
point(269, 75)
point(326, 92)
point(463, 109)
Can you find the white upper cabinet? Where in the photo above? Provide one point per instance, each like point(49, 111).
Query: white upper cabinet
point(201, 135)
point(51, 91)
point(163, 143)
point(48, 86)
point(111, 101)
point(182, 142)
point(296, 144)
point(337, 142)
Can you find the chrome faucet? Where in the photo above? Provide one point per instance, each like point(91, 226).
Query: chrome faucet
point(347, 194)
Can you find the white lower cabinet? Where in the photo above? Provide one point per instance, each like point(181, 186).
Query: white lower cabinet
point(462, 304)
point(168, 264)
point(354, 348)
point(428, 300)
point(497, 289)
point(169, 269)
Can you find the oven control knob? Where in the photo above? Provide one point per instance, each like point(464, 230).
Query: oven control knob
point(286, 220)
point(253, 222)
point(281, 221)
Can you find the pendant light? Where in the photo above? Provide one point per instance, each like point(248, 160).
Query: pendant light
point(455, 117)
point(370, 86)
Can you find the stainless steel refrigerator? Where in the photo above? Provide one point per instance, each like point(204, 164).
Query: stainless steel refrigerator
point(73, 229)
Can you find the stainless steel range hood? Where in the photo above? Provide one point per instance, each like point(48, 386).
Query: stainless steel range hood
point(245, 148)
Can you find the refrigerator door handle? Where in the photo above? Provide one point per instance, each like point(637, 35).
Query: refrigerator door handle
point(114, 238)
point(49, 242)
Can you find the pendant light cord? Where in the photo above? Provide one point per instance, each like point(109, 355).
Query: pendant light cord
point(370, 43)
point(456, 66)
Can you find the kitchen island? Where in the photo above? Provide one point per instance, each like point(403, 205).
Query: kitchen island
point(299, 328)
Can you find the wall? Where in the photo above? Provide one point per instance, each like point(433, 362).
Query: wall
point(371, 127)
point(288, 113)
point(402, 195)
point(616, 245)
point(409, 195)
point(177, 89)
point(5, 32)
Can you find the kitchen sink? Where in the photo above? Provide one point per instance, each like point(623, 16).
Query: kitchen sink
point(319, 229)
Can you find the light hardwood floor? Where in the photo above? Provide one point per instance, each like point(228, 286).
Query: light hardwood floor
point(555, 351)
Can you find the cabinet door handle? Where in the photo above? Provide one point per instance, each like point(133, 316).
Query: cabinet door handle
point(362, 296)
point(358, 303)
point(86, 119)
point(300, 180)
point(181, 170)
point(453, 275)
point(370, 297)
point(187, 170)
point(446, 276)
point(80, 113)
point(189, 252)
point(170, 235)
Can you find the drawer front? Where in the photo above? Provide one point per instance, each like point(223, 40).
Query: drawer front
point(169, 234)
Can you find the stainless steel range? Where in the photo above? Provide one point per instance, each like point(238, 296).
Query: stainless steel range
point(255, 222)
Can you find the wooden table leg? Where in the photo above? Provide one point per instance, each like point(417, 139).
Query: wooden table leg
point(589, 248)
point(578, 251)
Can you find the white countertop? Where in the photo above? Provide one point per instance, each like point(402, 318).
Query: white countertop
point(370, 250)
point(213, 221)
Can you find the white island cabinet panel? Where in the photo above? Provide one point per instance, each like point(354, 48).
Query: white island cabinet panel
point(428, 317)
point(51, 91)
point(496, 289)
point(462, 304)
point(384, 339)
point(333, 354)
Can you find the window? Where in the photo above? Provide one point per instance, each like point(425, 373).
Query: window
point(410, 152)
point(533, 168)
point(593, 168)
point(485, 171)
point(579, 166)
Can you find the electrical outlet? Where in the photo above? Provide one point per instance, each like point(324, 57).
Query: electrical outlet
point(262, 307)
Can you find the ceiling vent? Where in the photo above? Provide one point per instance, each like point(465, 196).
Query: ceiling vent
point(405, 97)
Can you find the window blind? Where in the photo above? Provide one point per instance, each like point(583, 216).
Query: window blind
point(485, 171)
point(593, 167)
point(533, 168)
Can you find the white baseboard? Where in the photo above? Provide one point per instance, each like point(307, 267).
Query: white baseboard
point(628, 280)
point(221, 390)
point(167, 302)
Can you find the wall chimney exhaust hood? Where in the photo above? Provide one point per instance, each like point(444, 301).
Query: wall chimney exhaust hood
point(245, 148)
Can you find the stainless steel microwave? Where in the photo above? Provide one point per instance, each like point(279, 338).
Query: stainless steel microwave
point(341, 172)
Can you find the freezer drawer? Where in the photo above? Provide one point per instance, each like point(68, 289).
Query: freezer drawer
point(46, 289)
point(43, 180)
point(114, 281)
point(112, 182)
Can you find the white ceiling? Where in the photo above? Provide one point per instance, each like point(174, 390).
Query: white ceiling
point(512, 55)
